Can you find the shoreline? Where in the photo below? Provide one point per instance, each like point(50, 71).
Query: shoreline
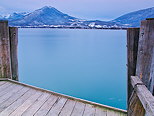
point(77, 28)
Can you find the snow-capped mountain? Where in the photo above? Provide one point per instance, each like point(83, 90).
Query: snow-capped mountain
point(133, 19)
point(13, 17)
point(44, 16)
point(16, 16)
point(50, 17)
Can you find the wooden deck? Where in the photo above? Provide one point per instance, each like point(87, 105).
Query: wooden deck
point(18, 99)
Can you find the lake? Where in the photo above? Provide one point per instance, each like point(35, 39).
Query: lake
point(88, 64)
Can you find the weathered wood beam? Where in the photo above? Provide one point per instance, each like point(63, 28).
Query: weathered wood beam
point(145, 57)
point(135, 106)
point(5, 59)
point(144, 95)
point(132, 49)
point(13, 33)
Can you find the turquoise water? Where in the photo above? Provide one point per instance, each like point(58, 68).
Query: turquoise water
point(89, 64)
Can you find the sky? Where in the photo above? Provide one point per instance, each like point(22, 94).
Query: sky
point(85, 9)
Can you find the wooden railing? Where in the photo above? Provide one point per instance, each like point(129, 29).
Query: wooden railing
point(140, 51)
point(141, 101)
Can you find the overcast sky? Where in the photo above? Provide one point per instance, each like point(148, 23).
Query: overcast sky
point(86, 9)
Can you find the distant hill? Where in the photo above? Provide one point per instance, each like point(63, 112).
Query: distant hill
point(133, 19)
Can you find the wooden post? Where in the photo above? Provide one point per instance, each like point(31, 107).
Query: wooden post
point(13, 32)
point(145, 58)
point(5, 60)
point(132, 48)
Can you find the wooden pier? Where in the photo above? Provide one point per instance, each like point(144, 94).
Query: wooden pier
point(18, 99)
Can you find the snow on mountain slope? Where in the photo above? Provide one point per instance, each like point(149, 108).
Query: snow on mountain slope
point(50, 17)
point(45, 16)
point(133, 19)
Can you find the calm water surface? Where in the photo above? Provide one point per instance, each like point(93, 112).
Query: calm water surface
point(89, 64)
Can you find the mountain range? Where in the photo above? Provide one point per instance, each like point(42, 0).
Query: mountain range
point(133, 19)
point(51, 17)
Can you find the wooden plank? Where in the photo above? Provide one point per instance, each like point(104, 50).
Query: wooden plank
point(46, 106)
point(136, 80)
point(7, 111)
point(69, 97)
point(5, 60)
point(147, 99)
point(22, 108)
point(145, 53)
point(14, 98)
point(5, 86)
point(68, 108)
point(8, 89)
point(4, 79)
point(151, 83)
point(35, 107)
point(11, 93)
point(2, 82)
point(122, 114)
point(132, 50)
point(78, 109)
point(101, 112)
point(113, 113)
point(57, 107)
point(135, 106)
point(13, 33)
point(89, 110)
point(15, 104)
point(144, 95)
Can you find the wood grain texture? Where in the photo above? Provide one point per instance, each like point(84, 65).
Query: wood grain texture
point(8, 89)
point(135, 107)
point(112, 113)
point(36, 106)
point(144, 68)
point(151, 83)
point(66, 96)
point(10, 93)
point(20, 100)
point(45, 108)
point(7, 111)
point(13, 98)
point(57, 107)
point(101, 112)
point(5, 59)
point(24, 106)
point(132, 50)
point(5, 86)
point(68, 108)
point(78, 109)
point(13, 34)
point(144, 95)
point(89, 110)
